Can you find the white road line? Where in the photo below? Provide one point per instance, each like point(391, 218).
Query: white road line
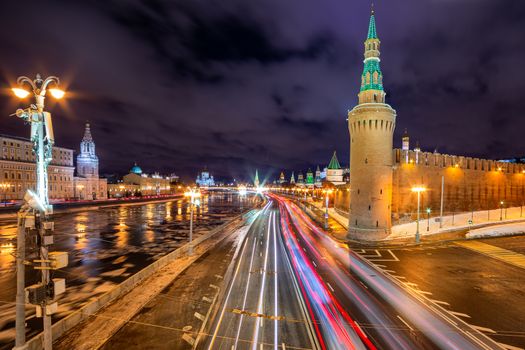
point(509, 347)
point(313, 262)
point(441, 302)
point(358, 326)
point(459, 314)
point(330, 286)
point(483, 329)
point(406, 324)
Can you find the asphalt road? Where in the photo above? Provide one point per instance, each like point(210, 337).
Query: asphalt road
point(262, 306)
point(359, 306)
point(483, 291)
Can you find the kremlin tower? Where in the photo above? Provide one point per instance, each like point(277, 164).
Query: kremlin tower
point(371, 125)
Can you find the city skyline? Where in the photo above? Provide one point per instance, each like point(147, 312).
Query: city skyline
point(301, 80)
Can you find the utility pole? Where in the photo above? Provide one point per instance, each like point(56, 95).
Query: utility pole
point(442, 194)
point(34, 215)
point(194, 201)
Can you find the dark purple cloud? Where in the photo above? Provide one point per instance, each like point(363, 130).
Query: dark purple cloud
point(234, 85)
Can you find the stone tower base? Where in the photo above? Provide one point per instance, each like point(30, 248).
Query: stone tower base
point(362, 234)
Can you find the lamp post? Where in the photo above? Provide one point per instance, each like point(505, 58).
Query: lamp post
point(5, 186)
point(501, 211)
point(37, 205)
point(194, 200)
point(418, 190)
point(327, 192)
point(428, 219)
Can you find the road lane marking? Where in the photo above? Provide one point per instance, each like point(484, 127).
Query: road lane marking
point(330, 286)
point(492, 251)
point(441, 302)
point(483, 329)
point(199, 316)
point(406, 324)
point(313, 262)
point(460, 314)
point(361, 329)
point(509, 347)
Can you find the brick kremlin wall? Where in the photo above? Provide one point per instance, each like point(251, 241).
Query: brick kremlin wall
point(470, 184)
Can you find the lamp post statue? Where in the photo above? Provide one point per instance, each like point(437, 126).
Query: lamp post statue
point(327, 192)
point(501, 211)
point(418, 190)
point(34, 214)
point(194, 201)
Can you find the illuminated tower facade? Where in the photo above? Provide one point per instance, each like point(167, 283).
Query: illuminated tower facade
point(87, 160)
point(256, 182)
point(371, 125)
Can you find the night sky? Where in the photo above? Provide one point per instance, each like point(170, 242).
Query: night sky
point(235, 84)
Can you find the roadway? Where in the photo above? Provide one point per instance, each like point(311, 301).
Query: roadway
point(358, 306)
point(262, 306)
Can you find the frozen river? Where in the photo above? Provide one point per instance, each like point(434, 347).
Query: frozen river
point(106, 246)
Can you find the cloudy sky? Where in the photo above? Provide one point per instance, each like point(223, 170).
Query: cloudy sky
point(236, 84)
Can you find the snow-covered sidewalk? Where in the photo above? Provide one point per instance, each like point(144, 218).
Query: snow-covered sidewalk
point(479, 223)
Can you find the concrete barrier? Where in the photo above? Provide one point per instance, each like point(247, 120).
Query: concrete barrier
point(63, 325)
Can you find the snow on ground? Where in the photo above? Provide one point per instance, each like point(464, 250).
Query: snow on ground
point(498, 230)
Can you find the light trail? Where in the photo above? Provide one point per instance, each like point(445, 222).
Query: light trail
point(263, 286)
point(217, 327)
point(414, 311)
point(275, 283)
point(245, 295)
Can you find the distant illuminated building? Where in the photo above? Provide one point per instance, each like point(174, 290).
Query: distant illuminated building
point(300, 179)
point(318, 182)
point(256, 180)
point(282, 178)
point(204, 179)
point(292, 179)
point(141, 184)
point(87, 184)
point(334, 172)
point(310, 181)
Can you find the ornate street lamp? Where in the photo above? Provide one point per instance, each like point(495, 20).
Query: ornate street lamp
point(35, 209)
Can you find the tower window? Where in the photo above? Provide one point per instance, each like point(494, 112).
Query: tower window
point(369, 207)
point(366, 160)
point(358, 191)
point(377, 223)
point(380, 191)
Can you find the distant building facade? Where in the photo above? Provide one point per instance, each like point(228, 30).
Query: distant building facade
point(87, 184)
point(18, 169)
point(205, 179)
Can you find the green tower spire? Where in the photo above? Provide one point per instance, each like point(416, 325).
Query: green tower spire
point(371, 90)
point(372, 33)
point(334, 162)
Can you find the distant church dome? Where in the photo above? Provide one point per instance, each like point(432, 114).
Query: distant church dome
point(136, 170)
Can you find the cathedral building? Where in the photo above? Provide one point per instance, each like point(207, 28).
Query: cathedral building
point(382, 178)
point(205, 179)
point(87, 184)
